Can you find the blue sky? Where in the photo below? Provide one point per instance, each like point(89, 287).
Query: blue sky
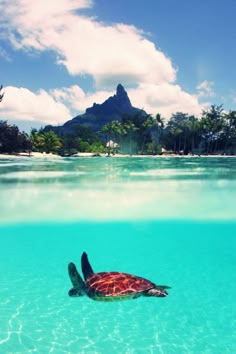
point(58, 57)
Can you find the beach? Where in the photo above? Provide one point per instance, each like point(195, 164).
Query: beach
point(91, 154)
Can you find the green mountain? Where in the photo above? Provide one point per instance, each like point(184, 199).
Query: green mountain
point(99, 114)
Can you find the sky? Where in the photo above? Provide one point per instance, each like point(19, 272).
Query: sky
point(58, 57)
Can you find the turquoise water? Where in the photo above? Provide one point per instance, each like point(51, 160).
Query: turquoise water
point(172, 221)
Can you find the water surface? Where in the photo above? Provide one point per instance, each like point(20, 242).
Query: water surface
point(117, 189)
point(169, 220)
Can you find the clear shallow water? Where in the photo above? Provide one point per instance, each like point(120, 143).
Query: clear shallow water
point(191, 249)
point(117, 189)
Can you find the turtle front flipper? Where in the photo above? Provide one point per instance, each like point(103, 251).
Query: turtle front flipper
point(86, 266)
point(163, 287)
point(77, 282)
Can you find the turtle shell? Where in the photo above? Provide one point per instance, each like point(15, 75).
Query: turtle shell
point(116, 285)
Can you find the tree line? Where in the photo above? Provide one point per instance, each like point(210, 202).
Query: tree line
point(213, 133)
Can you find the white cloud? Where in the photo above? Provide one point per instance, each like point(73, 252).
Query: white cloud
point(85, 45)
point(23, 104)
point(77, 99)
point(109, 53)
point(164, 99)
point(205, 89)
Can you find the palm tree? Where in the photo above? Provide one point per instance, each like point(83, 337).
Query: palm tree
point(118, 131)
point(176, 132)
point(107, 129)
point(159, 126)
point(130, 128)
point(193, 128)
point(147, 125)
point(212, 124)
point(46, 142)
point(229, 129)
point(177, 127)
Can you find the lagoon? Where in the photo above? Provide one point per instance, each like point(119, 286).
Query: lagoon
point(101, 189)
point(170, 220)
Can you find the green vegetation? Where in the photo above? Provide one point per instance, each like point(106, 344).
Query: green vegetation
point(12, 140)
point(213, 133)
point(46, 141)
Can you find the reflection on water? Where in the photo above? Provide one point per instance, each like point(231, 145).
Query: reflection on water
point(117, 188)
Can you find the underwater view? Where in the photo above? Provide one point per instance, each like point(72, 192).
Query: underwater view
point(171, 220)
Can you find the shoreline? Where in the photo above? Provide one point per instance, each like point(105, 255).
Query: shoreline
point(90, 154)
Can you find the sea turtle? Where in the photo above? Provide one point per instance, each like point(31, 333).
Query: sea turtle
point(110, 286)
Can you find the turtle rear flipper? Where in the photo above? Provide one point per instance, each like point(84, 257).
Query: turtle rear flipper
point(77, 282)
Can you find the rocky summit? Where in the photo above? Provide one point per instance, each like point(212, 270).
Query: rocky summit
point(115, 105)
point(99, 114)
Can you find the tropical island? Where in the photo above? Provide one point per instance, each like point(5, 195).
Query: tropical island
point(115, 126)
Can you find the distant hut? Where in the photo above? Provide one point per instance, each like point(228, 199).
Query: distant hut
point(112, 146)
point(167, 152)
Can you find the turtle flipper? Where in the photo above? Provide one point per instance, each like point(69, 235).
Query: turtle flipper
point(77, 282)
point(86, 266)
point(163, 287)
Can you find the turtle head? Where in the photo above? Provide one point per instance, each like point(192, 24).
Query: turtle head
point(77, 282)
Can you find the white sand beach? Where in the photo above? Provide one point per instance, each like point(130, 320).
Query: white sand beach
point(25, 154)
point(91, 154)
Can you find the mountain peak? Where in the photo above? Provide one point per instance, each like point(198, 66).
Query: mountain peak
point(99, 114)
point(122, 98)
point(120, 90)
point(114, 105)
